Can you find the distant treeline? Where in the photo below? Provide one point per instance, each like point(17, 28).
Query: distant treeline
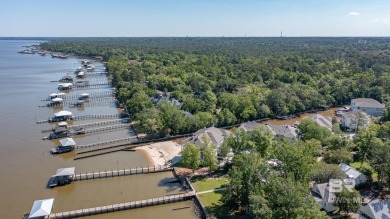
point(223, 81)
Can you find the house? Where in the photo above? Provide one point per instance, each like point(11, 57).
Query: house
point(285, 131)
point(322, 195)
point(368, 105)
point(353, 119)
point(352, 173)
point(249, 126)
point(216, 136)
point(165, 97)
point(323, 121)
point(282, 131)
point(377, 209)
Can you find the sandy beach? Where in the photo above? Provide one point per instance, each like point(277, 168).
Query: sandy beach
point(162, 153)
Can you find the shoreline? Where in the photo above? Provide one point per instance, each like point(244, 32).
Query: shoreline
point(161, 153)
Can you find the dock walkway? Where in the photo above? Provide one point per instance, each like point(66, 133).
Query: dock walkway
point(120, 172)
point(124, 206)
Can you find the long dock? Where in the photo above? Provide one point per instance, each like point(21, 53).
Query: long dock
point(93, 124)
point(85, 117)
point(120, 172)
point(91, 95)
point(124, 206)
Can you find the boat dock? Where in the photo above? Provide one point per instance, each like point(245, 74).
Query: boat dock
point(91, 95)
point(120, 172)
point(86, 117)
point(83, 131)
point(94, 124)
point(124, 206)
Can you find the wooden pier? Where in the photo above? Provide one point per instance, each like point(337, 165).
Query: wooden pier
point(91, 95)
point(86, 117)
point(120, 172)
point(124, 206)
point(129, 139)
point(93, 124)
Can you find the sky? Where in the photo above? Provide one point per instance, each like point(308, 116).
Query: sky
point(150, 18)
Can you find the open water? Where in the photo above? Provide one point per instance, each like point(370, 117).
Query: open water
point(26, 164)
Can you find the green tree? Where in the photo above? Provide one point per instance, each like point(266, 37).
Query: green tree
point(347, 201)
point(139, 102)
point(147, 121)
point(380, 160)
point(191, 156)
point(295, 161)
point(338, 156)
point(248, 173)
point(226, 117)
point(365, 141)
point(259, 208)
point(311, 130)
point(262, 141)
point(322, 172)
point(210, 158)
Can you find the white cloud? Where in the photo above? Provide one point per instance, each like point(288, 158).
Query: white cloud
point(353, 13)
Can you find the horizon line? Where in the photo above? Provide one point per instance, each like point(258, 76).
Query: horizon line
point(296, 36)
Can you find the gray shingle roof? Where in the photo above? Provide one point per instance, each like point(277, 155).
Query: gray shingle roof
point(249, 126)
point(324, 121)
point(367, 102)
point(215, 135)
point(377, 209)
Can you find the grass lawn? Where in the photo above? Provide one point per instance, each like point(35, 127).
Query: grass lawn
point(209, 183)
point(210, 199)
point(356, 165)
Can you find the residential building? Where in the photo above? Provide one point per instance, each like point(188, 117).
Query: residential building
point(353, 119)
point(322, 195)
point(215, 136)
point(283, 131)
point(165, 97)
point(249, 126)
point(286, 131)
point(368, 105)
point(323, 121)
point(352, 173)
point(377, 209)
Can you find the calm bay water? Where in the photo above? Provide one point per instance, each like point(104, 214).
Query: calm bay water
point(25, 161)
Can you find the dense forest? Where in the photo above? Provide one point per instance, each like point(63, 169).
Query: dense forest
point(224, 81)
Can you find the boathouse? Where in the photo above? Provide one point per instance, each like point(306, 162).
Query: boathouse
point(84, 96)
point(67, 142)
point(56, 95)
point(41, 209)
point(62, 116)
point(63, 124)
point(65, 86)
point(56, 101)
point(67, 78)
point(67, 145)
point(63, 176)
point(80, 74)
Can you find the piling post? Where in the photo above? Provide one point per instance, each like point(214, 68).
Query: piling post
point(93, 174)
